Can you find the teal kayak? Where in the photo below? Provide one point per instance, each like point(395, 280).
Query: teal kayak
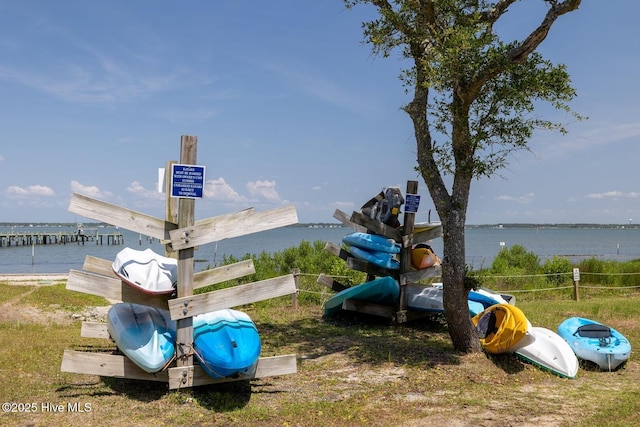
point(384, 290)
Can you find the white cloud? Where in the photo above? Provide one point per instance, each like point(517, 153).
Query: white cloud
point(527, 198)
point(89, 190)
point(136, 188)
point(264, 189)
point(613, 195)
point(1, 159)
point(218, 189)
point(32, 190)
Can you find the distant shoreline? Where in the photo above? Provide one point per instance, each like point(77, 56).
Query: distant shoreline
point(33, 277)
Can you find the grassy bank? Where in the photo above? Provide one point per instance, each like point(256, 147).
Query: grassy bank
point(352, 370)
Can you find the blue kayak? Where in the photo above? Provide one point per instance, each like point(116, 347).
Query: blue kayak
point(371, 242)
point(226, 343)
point(595, 342)
point(146, 335)
point(384, 290)
point(381, 259)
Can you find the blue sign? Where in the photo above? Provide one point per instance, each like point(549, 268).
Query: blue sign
point(411, 203)
point(187, 181)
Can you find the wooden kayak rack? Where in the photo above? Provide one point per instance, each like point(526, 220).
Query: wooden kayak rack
point(405, 275)
point(182, 234)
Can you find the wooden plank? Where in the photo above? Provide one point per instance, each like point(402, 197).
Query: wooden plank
point(189, 306)
point(94, 330)
point(331, 283)
point(191, 376)
point(184, 237)
point(405, 251)
point(422, 236)
point(233, 225)
point(368, 308)
point(346, 220)
point(223, 273)
point(99, 266)
point(112, 289)
point(106, 365)
point(186, 215)
point(336, 250)
point(376, 227)
point(121, 217)
point(415, 276)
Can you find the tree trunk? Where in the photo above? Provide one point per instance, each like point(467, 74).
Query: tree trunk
point(456, 308)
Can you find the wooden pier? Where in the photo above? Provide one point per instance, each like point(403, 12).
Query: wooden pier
point(59, 238)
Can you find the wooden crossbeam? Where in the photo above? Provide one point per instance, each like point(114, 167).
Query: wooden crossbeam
point(106, 365)
point(94, 330)
point(112, 289)
point(121, 217)
point(369, 308)
point(233, 225)
point(191, 376)
point(119, 366)
point(189, 306)
point(330, 283)
point(345, 219)
point(422, 236)
point(376, 227)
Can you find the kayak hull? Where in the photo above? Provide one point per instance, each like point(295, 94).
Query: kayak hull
point(146, 335)
point(594, 342)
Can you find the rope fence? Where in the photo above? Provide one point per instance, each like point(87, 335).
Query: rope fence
point(576, 274)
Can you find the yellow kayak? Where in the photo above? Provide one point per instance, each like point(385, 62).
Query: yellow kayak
point(503, 328)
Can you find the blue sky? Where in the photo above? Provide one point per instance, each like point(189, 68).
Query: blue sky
point(289, 108)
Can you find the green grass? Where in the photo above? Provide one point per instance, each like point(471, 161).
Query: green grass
point(56, 296)
point(352, 370)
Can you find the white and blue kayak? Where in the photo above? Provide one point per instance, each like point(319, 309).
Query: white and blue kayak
point(226, 343)
point(594, 342)
point(429, 298)
point(550, 352)
point(371, 242)
point(146, 335)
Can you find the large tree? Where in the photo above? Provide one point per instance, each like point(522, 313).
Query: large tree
point(473, 99)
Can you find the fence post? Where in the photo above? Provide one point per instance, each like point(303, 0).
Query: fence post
point(294, 296)
point(576, 279)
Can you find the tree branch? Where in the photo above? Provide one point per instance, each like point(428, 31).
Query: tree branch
point(531, 43)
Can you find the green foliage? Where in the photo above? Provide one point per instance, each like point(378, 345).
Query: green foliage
point(558, 270)
point(515, 258)
point(610, 273)
point(311, 259)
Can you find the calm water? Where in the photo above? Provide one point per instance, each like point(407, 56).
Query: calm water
point(482, 246)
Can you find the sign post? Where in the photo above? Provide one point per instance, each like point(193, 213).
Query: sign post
point(576, 279)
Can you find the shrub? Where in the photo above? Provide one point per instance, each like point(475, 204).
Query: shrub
point(558, 270)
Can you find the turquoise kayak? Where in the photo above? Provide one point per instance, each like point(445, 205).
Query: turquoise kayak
point(371, 242)
point(595, 342)
point(226, 343)
point(381, 259)
point(146, 335)
point(384, 290)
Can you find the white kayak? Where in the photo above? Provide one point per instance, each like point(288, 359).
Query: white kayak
point(146, 271)
point(550, 352)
